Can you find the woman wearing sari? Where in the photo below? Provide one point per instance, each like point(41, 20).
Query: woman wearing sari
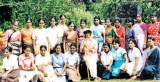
point(73, 63)
point(10, 69)
point(120, 31)
point(130, 32)
point(110, 32)
point(13, 39)
point(59, 64)
point(80, 30)
point(98, 32)
point(89, 48)
point(154, 29)
point(43, 64)
point(40, 37)
point(27, 35)
point(70, 36)
point(152, 68)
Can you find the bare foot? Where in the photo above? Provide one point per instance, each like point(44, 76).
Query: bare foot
point(133, 78)
point(95, 80)
point(98, 78)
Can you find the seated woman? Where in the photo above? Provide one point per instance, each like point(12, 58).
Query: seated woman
point(89, 47)
point(135, 57)
point(152, 68)
point(10, 72)
point(27, 67)
point(73, 62)
point(43, 64)
point(107, 60)
point(59, 64)
point(119, 57)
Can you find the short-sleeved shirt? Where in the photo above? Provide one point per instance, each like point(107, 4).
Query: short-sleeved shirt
point(53, 35)
point(8, 63)
point(58, 61)
point(26, 62)
point(40, 35)
point(42, 59)
point(118, 55)
point(72, 59)
point(106, 58)
point(135, 53)
point(61, 30)
point(97, 32)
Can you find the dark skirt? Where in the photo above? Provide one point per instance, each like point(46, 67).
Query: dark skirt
point(13, 76)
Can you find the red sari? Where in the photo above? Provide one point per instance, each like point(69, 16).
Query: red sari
point(121, 34)
point(154, 31)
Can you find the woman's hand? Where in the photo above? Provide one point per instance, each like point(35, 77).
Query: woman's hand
point(78, 74)
point(144, 46)
point(125, 68)
point(32, 68)
point(133, 72)
point(4, 76)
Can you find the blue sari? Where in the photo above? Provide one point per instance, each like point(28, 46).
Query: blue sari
point(152, 70)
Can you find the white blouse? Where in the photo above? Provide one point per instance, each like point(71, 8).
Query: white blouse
point(8, 63)
point(106, 58)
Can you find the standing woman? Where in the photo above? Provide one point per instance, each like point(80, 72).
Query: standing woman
point(27, 35)
point(59, 64)
point(135, 57)
point(110, 32)
point(120, 31)
point(98, 32)
point(53, 34)
point(154, 29)
point(43, 64)
point(130, 32)
point(73, 63)
point(13, 39)
point(10, 71)
point(119, 57)
point(40, 37)
point(80, 30)
point(62, 27)
point(70, 36)
point(89, 48)
point(152, 68)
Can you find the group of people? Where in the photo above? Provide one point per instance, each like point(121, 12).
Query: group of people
point(54, 54)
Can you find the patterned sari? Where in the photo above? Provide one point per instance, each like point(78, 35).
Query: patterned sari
point(70, 38)
point(109, 34)
point(121, 33)
point(15, 41)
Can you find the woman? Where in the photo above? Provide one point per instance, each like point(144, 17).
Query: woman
point(80, 30)
point(130, 32)
point(59, 64)
point(62, 27)
point(70, 36)
point(27, 66)
point(110, 33)
point(10, 71)
point(152, 68)
point(119, 57)
point(89, 48)
point(13, 39)
point(120, 31)
point(53, 34)
point(135, 57)
point(98, 32)
point(106, 60)
point(73, 63)
point(43, 64)
point(154, 29)
point(40, 37)
point(27, 34)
